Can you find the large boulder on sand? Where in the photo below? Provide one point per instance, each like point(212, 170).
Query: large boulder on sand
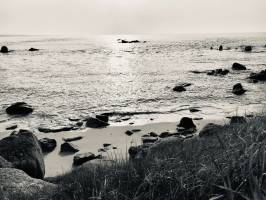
point(24, 152)
point(19, 108)
point(16, 184)
point(68, 148)
point(238, 66)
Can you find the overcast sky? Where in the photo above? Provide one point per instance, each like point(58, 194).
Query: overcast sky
point(131, 16)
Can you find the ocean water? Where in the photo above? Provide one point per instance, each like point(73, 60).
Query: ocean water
point(78, 77)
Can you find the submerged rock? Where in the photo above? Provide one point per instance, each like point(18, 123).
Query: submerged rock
point(81, 158)
point(95, 123)
point(4, 49)
point(22, 149)
point(261, 76)
point(47, 144)
point(33, 49)
point(237, 66)
point(238, 89)
point(19, 108)
point(209, 130)
point(238, 120)
point(15, 184)
point(68, 147)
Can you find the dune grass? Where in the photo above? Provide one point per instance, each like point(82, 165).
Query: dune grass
point(230, 164)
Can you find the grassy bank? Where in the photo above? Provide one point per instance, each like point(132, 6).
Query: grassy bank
point(229, 164)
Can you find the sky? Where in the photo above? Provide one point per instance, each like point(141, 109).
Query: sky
point(81, 17)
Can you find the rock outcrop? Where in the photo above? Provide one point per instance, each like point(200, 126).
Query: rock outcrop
point(238, 66)
point(22, 149)
point(238, 89)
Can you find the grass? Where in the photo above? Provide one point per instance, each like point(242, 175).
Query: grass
point(230, 164)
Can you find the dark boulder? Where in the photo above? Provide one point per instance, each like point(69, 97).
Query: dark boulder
point(220, 48)
point(211, 48)
point(4, 163)
point(95, 123)
point(103, 117)
point(238, 120)
point(152, 134)
point(22, 149)
point(237, 66)
point(33, 49)
point(187, 123)
point(238, 89)
point(81, 158)
point(181, 87)
point(261, 76)
point(47, 144)
point(194, 110)
point(129, 133)
point(4, 49)
point(107, 145)
point(72, 139)
point(209, 130)
point(248, 48)
point(16, 185)
point(68, 148)
point(19, 108)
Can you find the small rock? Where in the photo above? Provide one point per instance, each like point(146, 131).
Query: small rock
point(106, 145)
point(95, 123)
point(211, 48)
point(79, 124)
point(19, 108)
point(12, 127)
point(146, 140)
point(68, 148)
point(81, 158)
point(248, 48)
point(152, 134)
point(220, 48)
point(4, 49)
point(238, 89)
point(131, 123)
point(129, 133)
point(238, 120)
point(218, 72)
point(47, 144)
point(237, 66)
point(179, 89)
point(55, 130)
point(33, 49)
point(187, 123)
point(135, 130)
point(198, 118)
point(72, 139)
point(194, 110)
point(73, 119)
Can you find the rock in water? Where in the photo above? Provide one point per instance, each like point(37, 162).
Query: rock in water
point(4, 163)
point(248, 48)
point(238, 89)
point(68, 148)
point(15, 184)
point(22, 149)
point(19, 108)
point(220, 48)
point(33, 49)
point(261, 76)
point(238, 120)
point(4, 49)
point(217, 72)
point(179, 89)
point(237, 66)
point(187, 123)
point(95, 123)
point(47, 144)
point(72, 139)
point(81, 158)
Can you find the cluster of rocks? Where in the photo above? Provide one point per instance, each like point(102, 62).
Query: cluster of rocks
point(129, 41)
point(245, 48)
point(4, 49)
